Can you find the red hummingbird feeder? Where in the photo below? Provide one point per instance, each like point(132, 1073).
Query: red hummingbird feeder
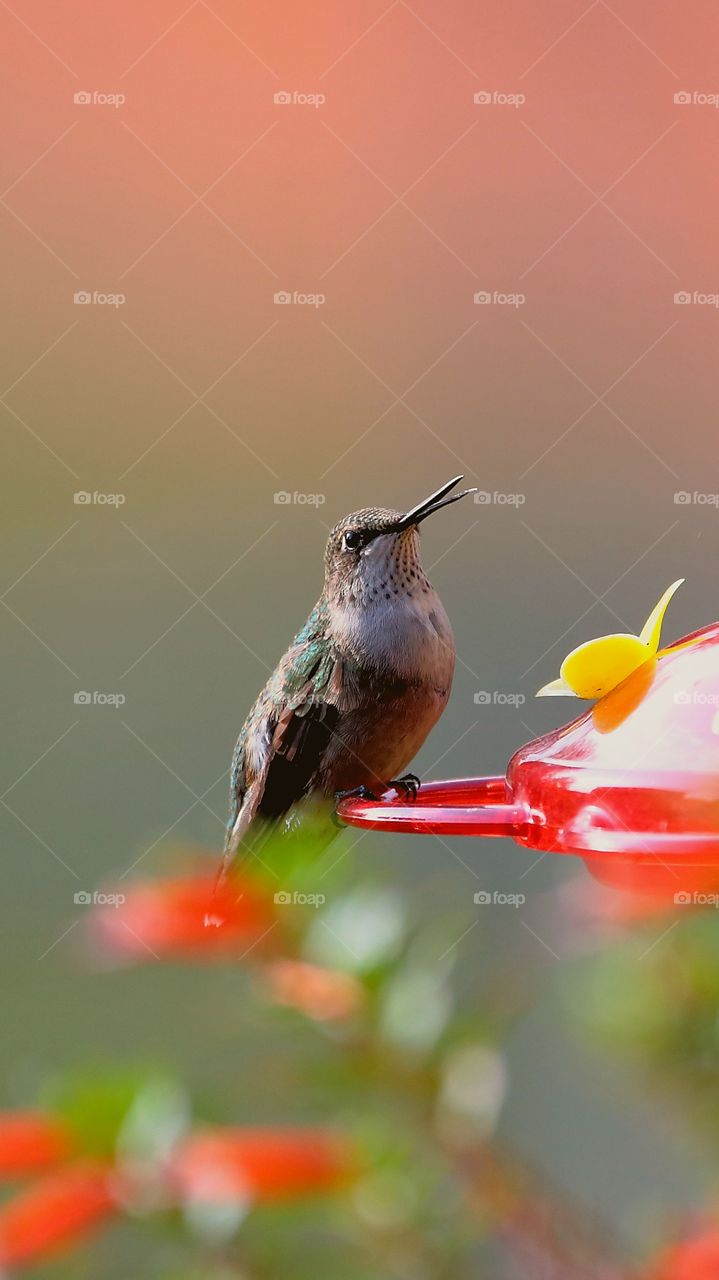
point(631, 786)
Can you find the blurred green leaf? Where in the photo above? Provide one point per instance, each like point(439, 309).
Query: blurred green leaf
point(96, 1106)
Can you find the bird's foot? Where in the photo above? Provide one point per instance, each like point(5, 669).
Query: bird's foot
point(408, 785)
point(352, 793)
point(355, 793)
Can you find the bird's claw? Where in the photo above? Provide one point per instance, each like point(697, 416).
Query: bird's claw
point(408, 785)
point(355, 793)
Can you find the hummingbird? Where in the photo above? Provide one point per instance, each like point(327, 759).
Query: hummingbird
point(363, 682)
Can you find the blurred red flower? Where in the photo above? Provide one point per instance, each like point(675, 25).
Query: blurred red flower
point(323, 994)
point(31, 1142)
point(54, 1211)
point(260, 1164)
point(598, 908)
point(693, 1259)
point(189, 915)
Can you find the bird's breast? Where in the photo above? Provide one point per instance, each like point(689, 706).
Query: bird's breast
point(408, 636)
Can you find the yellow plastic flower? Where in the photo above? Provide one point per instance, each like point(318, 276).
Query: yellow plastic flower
point(598, 666)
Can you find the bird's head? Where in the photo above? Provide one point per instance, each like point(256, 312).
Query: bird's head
point(374, 554)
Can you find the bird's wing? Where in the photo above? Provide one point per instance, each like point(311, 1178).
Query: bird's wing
point(241, 778)
point(286, 733)
point(299, 740)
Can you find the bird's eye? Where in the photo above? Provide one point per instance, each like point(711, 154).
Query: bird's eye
point(352, 539)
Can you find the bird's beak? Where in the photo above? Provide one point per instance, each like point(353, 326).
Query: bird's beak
point(431, 504)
